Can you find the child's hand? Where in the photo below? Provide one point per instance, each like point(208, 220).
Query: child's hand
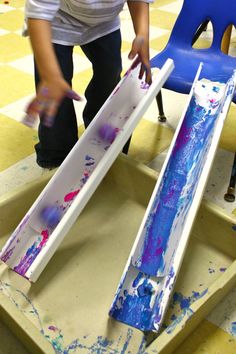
point(140, 47)
point(46, 103)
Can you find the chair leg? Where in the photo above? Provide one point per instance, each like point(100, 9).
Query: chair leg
point(161, 117)
point(230, 195)
point(199, 31)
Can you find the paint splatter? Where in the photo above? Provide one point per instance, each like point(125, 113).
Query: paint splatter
point(156, 248)
point(144, 85)
point(178, 186)
point(32, 253)
point(211, 270)
point(222, 269)
point(140, 301)
point(98, 345)
point(70, 196)
point(90, 159)
point(182, 306)
point(14, 240)
point(233, 329)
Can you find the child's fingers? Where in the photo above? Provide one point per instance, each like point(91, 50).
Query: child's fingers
point(141, 72)
point(52, 107)
point(148, 75)
point(29, 120)
point(36, 106)
point(46, 107)
point(32, 112)
point(50, 113)
point(73, 95)
point(145, 69)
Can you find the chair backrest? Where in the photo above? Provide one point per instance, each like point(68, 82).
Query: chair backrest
point(221, 13)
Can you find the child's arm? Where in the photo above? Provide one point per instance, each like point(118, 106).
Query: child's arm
point(52, 88)
point(40, 38)
point(139, 11)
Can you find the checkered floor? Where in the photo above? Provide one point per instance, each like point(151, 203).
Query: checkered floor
point(17, 162)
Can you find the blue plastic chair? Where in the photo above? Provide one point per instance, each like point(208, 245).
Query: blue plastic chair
point(218, 66)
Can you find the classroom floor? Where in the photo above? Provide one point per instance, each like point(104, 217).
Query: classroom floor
point(217, 333)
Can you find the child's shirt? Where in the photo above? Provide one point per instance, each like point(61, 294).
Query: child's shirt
point(77, 21)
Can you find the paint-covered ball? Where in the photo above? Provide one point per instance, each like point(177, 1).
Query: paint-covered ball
point(51, 215)
point(108, 132)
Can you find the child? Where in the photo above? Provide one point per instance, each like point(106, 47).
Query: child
point(55, 27)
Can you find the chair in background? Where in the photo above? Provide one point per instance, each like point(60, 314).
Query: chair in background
point(193, 18)
point(230, 195)
point(217, 65)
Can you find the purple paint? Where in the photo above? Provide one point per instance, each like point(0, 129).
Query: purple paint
point(32, 253)
point(173, 200)
point(7, 255)
point(142, 302)
point(144, 85)
point(14, 240)
point(51, 215)
point(223, 270)
point(108, 132)
point(53, 328)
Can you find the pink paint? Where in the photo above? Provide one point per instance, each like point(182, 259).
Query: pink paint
point(45, 235)
point(70, 196)
point(31, 254)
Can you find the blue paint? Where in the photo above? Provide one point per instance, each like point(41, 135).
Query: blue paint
point(88, 158)
point(215, 89)
point(138, 303)
point(234, 227)
point(102, 346)
point(171, 278)
point(54, 335)
point(145, 289)
point(184, 168)
point(141, 349)
point(137, 279)
point(135, 308)
point(7, 289)
point(233, 329)
point(90, 163)
point(182, 306)
point(129, 336)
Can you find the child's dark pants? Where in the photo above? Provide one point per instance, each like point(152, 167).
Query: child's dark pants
point(105, 55)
